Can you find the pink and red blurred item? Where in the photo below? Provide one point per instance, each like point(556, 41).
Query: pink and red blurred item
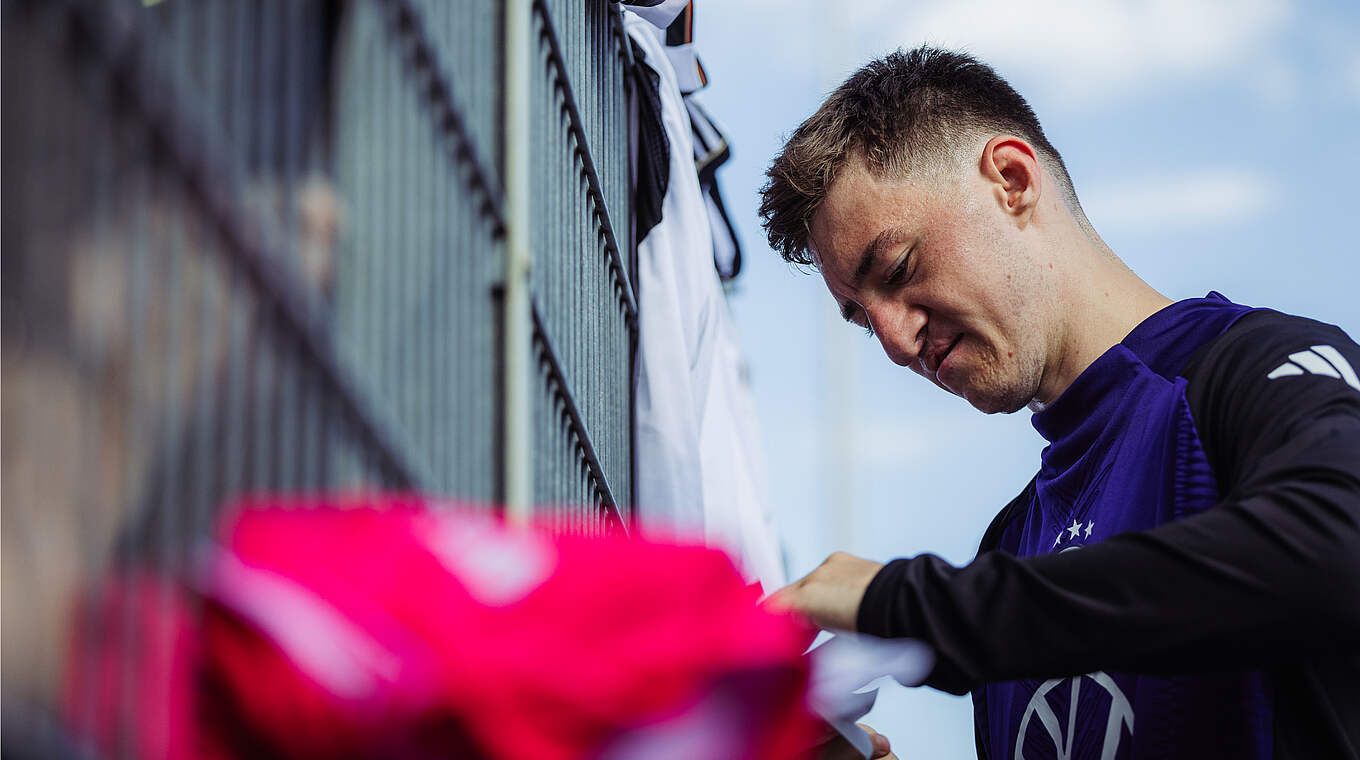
point(393, 627)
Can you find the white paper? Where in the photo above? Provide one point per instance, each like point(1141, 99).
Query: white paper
point(844, 672)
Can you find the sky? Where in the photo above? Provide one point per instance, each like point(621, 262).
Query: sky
point(1215, 145)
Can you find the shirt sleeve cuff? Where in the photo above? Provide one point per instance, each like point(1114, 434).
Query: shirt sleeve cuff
point(878, 610)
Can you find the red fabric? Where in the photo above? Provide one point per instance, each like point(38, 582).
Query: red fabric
point(386, 628)
point(539, 648)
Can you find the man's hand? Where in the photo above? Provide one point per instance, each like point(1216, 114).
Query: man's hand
point(830, 595)
point(835, 747)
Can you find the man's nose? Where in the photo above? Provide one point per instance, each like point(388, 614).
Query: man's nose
point(898, 329)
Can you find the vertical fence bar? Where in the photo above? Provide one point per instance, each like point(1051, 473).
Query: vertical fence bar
point(517, 329)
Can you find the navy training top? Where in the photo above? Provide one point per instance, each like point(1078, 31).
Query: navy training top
point(1187, 506)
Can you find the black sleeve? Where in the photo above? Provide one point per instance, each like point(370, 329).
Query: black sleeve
point(1270, 575)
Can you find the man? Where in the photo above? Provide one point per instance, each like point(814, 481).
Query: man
point(1204, 456)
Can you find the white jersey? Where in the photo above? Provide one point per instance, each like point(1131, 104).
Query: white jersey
point(699, 461)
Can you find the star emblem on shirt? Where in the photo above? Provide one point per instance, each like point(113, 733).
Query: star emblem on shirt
point(1074, 532)
point(1074, 529)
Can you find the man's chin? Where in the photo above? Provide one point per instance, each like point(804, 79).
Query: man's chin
point(981, 400)
point(993, 404)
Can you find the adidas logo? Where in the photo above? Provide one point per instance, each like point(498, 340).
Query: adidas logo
point(1319, 360)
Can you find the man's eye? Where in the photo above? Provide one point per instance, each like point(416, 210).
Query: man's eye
point(899, 273)
point(856, 317)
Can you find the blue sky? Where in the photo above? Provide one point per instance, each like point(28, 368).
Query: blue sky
point(1215, 145)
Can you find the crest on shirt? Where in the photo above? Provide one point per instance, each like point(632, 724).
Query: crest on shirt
point(1080, 730)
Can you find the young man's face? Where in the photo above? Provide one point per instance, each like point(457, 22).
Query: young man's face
point(943, 278)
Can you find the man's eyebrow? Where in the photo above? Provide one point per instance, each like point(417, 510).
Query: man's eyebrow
point(867, 259)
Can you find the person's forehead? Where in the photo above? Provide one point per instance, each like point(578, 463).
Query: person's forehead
point(859, 208)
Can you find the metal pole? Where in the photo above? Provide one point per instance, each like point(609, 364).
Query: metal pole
point(839, 408)
point(518, 326)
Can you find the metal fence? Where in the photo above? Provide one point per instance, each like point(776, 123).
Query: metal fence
point(255, 245)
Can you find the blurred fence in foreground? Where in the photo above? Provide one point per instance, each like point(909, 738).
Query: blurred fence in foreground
point(257, 246)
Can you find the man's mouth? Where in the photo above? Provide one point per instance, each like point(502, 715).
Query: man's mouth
point(934, 359)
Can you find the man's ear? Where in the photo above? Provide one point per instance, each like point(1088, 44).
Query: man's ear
point(1016, 180)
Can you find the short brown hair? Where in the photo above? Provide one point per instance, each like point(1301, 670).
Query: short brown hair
point(901, 112)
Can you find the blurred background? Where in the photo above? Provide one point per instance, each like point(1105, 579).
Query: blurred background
point(1213, 143)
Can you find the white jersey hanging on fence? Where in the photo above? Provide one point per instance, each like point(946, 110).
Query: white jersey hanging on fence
point(699, 461)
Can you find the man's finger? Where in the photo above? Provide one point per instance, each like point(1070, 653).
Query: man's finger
point(882, 748)
point(838, 747)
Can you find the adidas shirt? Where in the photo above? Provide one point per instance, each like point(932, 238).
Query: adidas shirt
point(1181, 579)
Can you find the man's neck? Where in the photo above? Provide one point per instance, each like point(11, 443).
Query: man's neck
point(1101, 304)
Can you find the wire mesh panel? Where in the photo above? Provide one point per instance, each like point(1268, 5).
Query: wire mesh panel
point(254, 246)
point(584, 307)
point(421, 253)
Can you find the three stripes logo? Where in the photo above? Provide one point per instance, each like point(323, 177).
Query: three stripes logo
point(1318, 360)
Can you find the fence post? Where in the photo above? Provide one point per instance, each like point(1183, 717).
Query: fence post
point(518, 337)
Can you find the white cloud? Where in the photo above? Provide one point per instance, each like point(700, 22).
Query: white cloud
point(1201, 198)
point(1094, 50)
